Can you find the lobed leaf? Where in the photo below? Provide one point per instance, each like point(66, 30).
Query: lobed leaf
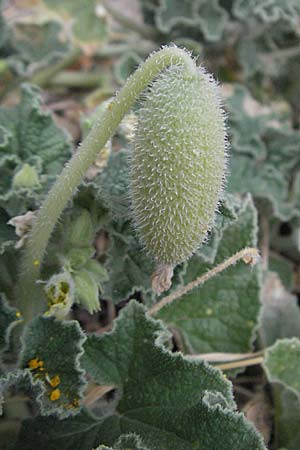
point(52, 352)
point(33, 138)
point(87, 24)
point(268, 11)
point(168, 400)
point(38, 45)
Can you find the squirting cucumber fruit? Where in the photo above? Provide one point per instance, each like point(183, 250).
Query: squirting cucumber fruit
point(178, 164)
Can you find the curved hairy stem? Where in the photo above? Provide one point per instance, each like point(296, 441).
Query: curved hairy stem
point(29, 302)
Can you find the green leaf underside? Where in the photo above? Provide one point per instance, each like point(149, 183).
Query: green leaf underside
point(59, 346)
point(221, 315)
point(166, 399)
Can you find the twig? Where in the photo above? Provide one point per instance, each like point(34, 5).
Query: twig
point(248, 255)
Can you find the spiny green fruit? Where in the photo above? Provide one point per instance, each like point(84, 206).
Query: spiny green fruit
point(178, 163)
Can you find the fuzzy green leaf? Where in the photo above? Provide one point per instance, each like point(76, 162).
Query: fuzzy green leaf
point(126, 442)
point(52, 350)
point(280, 316)
point(32, 137)
point(7, 234)
point(284, 268)
point(8, 316)
point(103, 447)
point(246, 128)
point(26, 47)
point(20, 381)
point(175, 12)
point(86, 24)
point(129, 268)
point(264, 181)
point(287, 412)
point(86, 290)
point(81, 231)
point(265, 158)
point(212, 18)
point(8, 273)
point(269, 11)
point(168, 400)
point(282, 364)
point(283, 148)
point(4, 30)
point(114, 185)
point(221, 315)
point(179, 419)
point(126, 65)
point(37, 45)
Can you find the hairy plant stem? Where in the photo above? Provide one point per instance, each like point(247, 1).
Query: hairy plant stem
point(29, 302)
point(248, 255)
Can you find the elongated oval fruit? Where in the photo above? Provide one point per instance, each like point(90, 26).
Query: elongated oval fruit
point(178, 164)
